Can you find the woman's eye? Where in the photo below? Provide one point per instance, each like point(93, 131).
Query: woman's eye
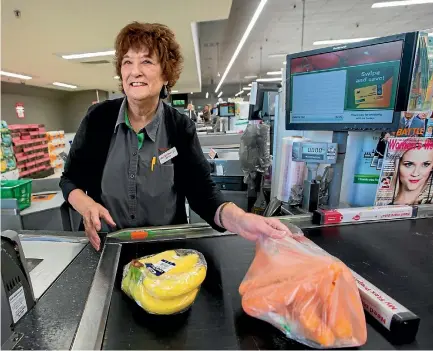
point(147, 62)
point(426, 164)
point(126, 62)
point(408, 164)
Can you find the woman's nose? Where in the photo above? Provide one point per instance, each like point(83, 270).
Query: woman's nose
point(417, 171)
point(136, 69)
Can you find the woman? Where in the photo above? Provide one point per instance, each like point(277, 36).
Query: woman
point(414, 178)
point(135, 159)
point(191, 112)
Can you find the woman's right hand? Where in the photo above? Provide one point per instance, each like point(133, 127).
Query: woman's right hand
point(92, 223)
point(91, 212)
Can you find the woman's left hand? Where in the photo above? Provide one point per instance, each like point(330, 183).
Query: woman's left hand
point(251, 227)
point(248, 225)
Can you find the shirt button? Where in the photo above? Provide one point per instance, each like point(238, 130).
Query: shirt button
point(134, 153)
point(132, 217)
point(132, 176)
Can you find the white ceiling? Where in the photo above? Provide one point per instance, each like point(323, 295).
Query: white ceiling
point(279, 30)
point(31, 45)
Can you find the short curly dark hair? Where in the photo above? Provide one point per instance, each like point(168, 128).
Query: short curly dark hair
point(158, 39)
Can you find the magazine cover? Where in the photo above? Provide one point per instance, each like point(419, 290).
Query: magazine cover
point(415, 124)
point(406, 177)
point(421, 91)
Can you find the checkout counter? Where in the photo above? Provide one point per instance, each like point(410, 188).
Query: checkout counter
point(84, 307)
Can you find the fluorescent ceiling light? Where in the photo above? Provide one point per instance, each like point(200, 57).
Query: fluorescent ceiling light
point(219, 95)
point(88, 55)
point(175, 91)
point(63, 85)
point(275, 73)
point(400, 3)
point(239, 93)
point(248, 94)
point(249, 84)
point(269, 79)
point(116, 77)
point(341, 41)
point(14, 75)
point(207, 95)
point(277, 55)
point(250, 77)
point(242, 42)
point(192, 92)
point(246, 88)
point(284, 62)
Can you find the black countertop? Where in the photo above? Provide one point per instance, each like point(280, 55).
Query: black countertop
point(396, 256)
point(52, 323)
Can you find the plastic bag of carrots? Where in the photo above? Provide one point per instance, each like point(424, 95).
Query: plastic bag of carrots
point(302, 290)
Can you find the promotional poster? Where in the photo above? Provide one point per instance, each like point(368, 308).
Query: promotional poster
point(406, 177)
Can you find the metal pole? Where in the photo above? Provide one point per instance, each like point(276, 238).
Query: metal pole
point(335, 186)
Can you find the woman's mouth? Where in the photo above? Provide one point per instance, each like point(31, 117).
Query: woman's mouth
point(414, 181)
point(137, 84)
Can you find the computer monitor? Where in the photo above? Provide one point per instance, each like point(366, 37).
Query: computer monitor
point(363, 86)
point(262, 100)
point(179, 101)
point(226, 109)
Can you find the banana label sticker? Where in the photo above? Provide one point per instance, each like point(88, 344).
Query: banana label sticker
point(160, 267)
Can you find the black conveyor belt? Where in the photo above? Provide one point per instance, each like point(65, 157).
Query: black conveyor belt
point(395, 256)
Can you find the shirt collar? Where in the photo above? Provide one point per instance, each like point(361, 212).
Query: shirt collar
point(151, 129)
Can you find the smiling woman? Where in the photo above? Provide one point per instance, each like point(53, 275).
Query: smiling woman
point(135, 159)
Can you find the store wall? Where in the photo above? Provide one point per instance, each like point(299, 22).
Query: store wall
point(76, 105)
point(41, 105)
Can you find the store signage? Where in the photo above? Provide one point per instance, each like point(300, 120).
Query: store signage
point(19, 108)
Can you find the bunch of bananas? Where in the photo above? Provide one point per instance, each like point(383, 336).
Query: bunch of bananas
point(165, 283)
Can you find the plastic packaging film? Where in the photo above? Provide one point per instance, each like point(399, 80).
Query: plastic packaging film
point(165, 283)
point(254, 152)
point(292, 174)
point(309, 295)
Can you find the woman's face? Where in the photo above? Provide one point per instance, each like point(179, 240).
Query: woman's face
point(142, 76)
point(415, 167)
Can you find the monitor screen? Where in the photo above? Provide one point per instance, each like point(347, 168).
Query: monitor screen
point(178, 103)
point(226, 109)
point(353, 86)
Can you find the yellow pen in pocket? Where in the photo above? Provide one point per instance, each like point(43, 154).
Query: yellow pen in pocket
point(153, 163)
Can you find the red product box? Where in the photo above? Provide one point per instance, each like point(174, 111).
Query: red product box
point(363, 214)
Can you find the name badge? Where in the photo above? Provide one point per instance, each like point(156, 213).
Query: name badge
point(168, 155)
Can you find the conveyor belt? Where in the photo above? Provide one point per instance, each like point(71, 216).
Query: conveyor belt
point(395, 256)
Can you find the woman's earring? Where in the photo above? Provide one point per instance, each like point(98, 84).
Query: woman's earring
point(164, 92)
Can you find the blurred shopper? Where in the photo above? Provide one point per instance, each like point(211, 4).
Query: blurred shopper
point(191, 113)
point(135, 159)
point(206, 114)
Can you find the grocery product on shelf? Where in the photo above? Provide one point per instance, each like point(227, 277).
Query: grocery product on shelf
point(8, 161)
point(56, 145)
point(30, 145)
point(165, 283)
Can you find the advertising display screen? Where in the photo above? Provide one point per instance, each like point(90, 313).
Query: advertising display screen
point(355, 85)
point(350, 87)
point(226, 109)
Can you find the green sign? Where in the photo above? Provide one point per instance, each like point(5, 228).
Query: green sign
point(178, 102)
point(372, 86)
